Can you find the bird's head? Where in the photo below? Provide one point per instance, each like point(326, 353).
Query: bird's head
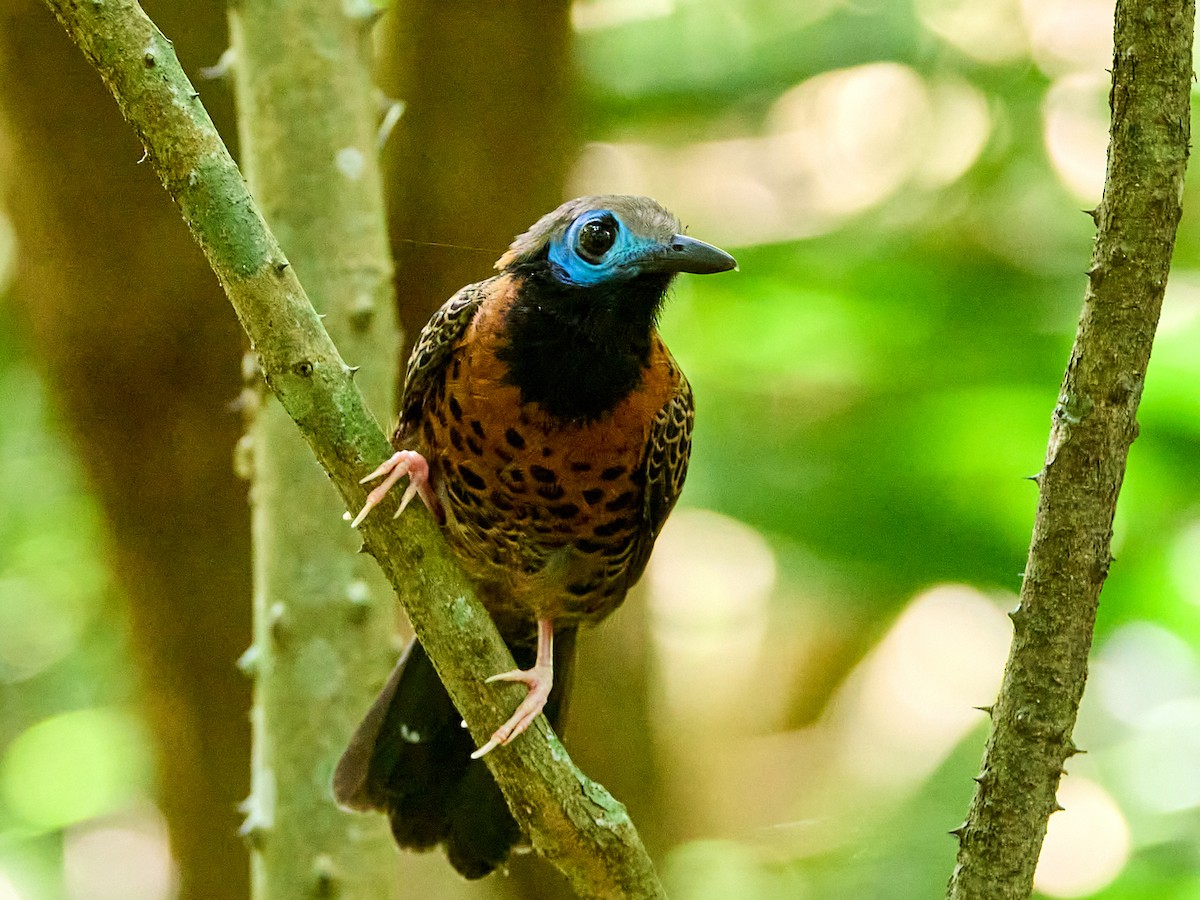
point(611, 239)
point(591, 277)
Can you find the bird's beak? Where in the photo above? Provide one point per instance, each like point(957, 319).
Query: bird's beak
point(686, 254)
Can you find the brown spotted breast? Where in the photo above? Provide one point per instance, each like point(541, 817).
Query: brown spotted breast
point(544, 514)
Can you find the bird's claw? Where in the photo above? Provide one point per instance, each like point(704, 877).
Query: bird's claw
point(539, 679)
point(399, 464)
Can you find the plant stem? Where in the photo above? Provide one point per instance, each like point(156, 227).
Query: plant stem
point(1094, 424)
point(323, 615)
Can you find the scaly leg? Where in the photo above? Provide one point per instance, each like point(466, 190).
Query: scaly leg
point(539, 679)
point(401, 463)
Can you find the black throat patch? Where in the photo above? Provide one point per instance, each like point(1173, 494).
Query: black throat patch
point(579, 351)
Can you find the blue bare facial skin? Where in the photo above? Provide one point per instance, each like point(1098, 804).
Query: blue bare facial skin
point(599, 247)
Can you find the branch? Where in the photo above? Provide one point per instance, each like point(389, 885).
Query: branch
point(1093, 426)
point(571, 820)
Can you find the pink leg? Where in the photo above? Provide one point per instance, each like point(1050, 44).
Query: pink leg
point(401, 463)
point(539, 679)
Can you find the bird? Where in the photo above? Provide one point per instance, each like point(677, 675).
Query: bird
point(547, 427)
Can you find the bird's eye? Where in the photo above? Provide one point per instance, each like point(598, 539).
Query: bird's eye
point(596, 238)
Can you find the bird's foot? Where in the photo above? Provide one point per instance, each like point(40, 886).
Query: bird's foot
point(401, 463)
point(540, 679)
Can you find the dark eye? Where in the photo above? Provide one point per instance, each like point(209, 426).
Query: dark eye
point(596, 238)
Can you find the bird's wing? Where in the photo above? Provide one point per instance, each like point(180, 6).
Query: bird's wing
point(433, 350)
point(663, 468)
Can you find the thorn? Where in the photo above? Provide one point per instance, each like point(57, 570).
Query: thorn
point(1093, 213)
point(221, 68)
point(1057, 807)
point(364, 12)
point(352, 370)
point(387, 124)
point(362, 312)
point(1036, 478)
point(987, 710)
point(250, 367)
point(243, 452)
point(276, 621)
point(281, 266)
point(1072, 750)
point(959, 831)
point(253, 835)
point(257, 824)
point(248, 662)
point(324, 876)
point(358, 595)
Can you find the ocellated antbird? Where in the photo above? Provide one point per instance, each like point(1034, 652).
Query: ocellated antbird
point(545, 424)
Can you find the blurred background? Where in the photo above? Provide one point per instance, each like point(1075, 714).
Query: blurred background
point(785, 705)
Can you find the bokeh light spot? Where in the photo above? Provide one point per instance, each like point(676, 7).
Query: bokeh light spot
point(1141, 666)
point(38, 627)
point(595, 15)
point(710, 581)
point(1075, 130)
point(8, 890)
point(124, 857)
point(1158, 762)
point(987, 30)
point(72, 767)
point(834, 146)
point(1087, 843)
point(1185, 562)
point(911, 700)
point(1069, 35)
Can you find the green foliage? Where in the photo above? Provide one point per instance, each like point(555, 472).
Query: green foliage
point(70, 751)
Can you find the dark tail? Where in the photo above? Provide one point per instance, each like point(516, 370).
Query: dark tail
point(411, 758)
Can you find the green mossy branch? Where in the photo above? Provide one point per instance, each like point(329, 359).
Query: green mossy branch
point(1094, 424)
point(571, 820)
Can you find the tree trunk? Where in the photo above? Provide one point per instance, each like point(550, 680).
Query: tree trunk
point(324, 617)
point(142, 358)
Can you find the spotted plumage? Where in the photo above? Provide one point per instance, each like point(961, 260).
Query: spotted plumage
point(546, 423)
